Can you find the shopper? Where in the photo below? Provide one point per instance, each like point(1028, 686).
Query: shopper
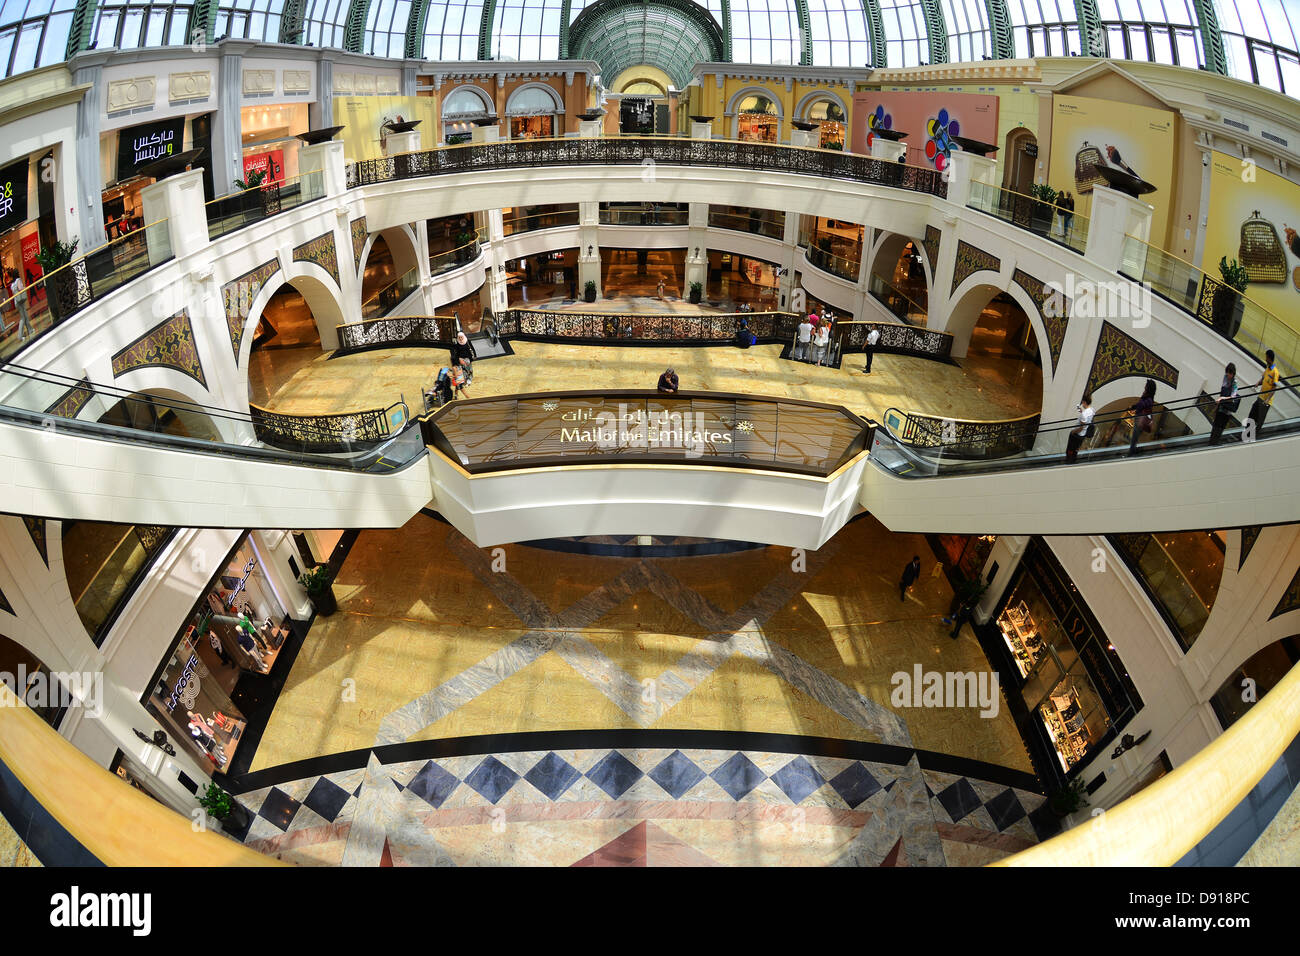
point(1082, 430)
point(805, 339)
point(1227, 402)
point(659, 292)
point(19, 293)
point(463, 354)
point(822, 342)
point(1142, 414)
point(869, 349)
point(1267, 385)
point(910, 574)
point(1069, 214)
point(668, 383)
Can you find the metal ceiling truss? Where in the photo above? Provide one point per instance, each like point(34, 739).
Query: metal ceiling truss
point(1092, 35)
point(1004, 47)
point(937, 30)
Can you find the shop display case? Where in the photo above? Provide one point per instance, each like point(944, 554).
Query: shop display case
point(1021, 634)
point(1063, 715)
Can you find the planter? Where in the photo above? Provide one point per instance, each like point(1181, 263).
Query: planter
point(324, 601)
point(1044, 213)
point(589, 296)
point(694, 296)
point(237, 820)
point(1227, 310)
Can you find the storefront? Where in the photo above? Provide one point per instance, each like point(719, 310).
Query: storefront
point(239, 626)
point(459, 111)
point(1074, 688)
point(832, 123)
point(743, 280)
point(965, 554)
point(136, 148)
point(20, 235)
point(757, 120)
point(533, 113)
point(270, 140)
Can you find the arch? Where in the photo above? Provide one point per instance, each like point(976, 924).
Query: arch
point(805, 105)
point(522, 92)
point(1018, 169)
point(641, 73)
point(887, 251)
point(733, 108)
point(485, 101)
point(131, 411)
point(401, 242)
point(323, 298)
point(969, 302)
point(673, 35)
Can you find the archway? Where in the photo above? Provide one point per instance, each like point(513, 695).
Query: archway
point(1115, 428)
point(533, 111)
point(294, 320)
point(164, 411)
point(1019, 159)
point(900, 263)
point(1264, 670)
point(756, 115)
point(388, 256)
point(996, 339)
point(39, 689)
point(459, 108)
point(829, 112)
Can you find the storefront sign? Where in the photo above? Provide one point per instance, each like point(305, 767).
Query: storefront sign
point(142, 145)
point(270, 164)
point(243, 582)
point(32, 271)
point(178, 689)
point(13, 195)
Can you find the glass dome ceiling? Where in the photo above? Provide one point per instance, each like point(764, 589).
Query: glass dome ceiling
point(1253, 40)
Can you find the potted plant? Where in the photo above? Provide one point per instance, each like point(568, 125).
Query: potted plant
point(62, 286)
point(1045, 208)
point(589, 291)
point(224, 808)
point(1227, 306)
point(697, 291)
point(253, 181)
point(317, 582)
point(464, 251)
point(1070, 798)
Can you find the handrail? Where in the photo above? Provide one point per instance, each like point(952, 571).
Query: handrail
point(813, 253)
point(118, 824)
point(1162, 823)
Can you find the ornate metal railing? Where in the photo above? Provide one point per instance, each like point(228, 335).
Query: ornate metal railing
point(963, 438)
point(625, 327)
point(346, 431)
point(895, 339)
point(434, 330)
point(633, 151)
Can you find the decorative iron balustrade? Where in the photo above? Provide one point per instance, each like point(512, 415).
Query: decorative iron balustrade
point(433, 330)
point(894, 339)
point(626, 327)
point(341, 432)
point(633, 151)
point(968, 440)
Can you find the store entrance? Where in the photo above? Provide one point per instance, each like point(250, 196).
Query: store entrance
point(636, 116)
point(1003, 354)
point(735, 281)
point(639, 272)
point(285, 341)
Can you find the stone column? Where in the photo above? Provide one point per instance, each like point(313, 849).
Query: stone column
point(327, 159)
point(1116, 215)
point(498, 300)
point(589, 247)
point(90, 206)
point(179, 200)
point(965, 169)
point(789, 250)
point(697, 248)
point(227, 145)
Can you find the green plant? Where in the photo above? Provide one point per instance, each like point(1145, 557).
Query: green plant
point(58, 254)
point(1234, 275)
point(590, 287)
point(1043, 192)
point(1069, 799)
point(697, 288)
point(833, 144)
point(254, 180)
point(217, 802)
point(464, 238)
point(970, 589)
point(316, 579)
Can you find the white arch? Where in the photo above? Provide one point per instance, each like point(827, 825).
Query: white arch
point(484, 100)
point(968, 303)
point(405, 250)
point(556, 105)
point(733, 105)
point(805, 105)
point(323, 298)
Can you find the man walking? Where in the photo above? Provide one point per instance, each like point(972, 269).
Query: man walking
point(873, 337)
point(1267, 384)
point(910, 574)
point(19, 292)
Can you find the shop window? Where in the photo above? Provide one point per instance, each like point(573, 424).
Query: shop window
point(758, 119)
point(833, 123)
point(104, 564)
point(1181, 574)
point(1255, 678)
point(1073, 684)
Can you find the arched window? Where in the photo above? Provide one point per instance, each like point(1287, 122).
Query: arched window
point(833, 123)
point(532, 112)
point(459, 109)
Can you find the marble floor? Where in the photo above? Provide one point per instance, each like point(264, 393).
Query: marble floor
point(976, 389)
point(704, 657)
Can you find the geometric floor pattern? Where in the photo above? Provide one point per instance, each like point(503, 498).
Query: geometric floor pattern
point(649, 807)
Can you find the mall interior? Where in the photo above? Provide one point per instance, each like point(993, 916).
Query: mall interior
point(973, 509)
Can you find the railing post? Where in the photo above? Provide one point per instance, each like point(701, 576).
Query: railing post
point(1115, 215)
point(325, 159)
point(179, 200)
point(887, 149)
point(702, 130)
point(964, 169)
point(590, 129)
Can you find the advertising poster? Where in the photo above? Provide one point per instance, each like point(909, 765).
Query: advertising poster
point(1254, 217)
point(32, 271)
point(930, 120)
point(364, 117)
point(141, 145)
point(269, 163)
point(1138, 140)
point(13, 195)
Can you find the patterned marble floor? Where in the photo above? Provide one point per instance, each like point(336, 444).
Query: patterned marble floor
point(434, 648)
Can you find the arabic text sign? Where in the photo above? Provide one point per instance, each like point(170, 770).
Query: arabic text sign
point(141, 145)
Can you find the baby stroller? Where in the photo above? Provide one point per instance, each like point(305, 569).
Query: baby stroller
point(443, 390)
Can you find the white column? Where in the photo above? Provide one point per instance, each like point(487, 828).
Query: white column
point(697, 248)
point(179, 200)
point(589, 248)
point(327, 159)
point(498, 299)
point(1116, 215)
point(789, 247)
point(964, 169)
point(275, 549)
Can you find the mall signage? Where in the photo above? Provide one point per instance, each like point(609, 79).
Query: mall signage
point(13, 195)
point(141, 145)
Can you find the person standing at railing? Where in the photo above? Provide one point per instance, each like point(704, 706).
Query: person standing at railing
point(1267, 385)
point(1227, 402)
point(463, 354)
point(821, 342)
point(1142, 414)
point(1082, 430)
point(14, 282)
point(804, 339)
point(869, 347)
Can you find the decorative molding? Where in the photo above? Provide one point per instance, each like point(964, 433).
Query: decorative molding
point(1055, 323)
point(386, 85)
point(170, 344)
point(359, 233)
point(344, 82)
point(364, 84)
point(1119, 355)
point(1290, 598)
point(1249, 536)
point(259, 81)
point(36, 528)
point(189, 86)
point(971, 260)
point(933, 237)
point(321, 251)
point(131, 94)
point(152, 535)
point(296, 81)
point(237, 298)
point(71, 402)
